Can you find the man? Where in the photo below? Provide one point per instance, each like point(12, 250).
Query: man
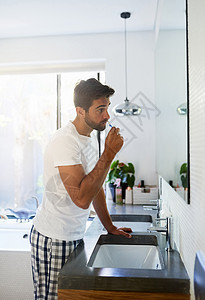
point(73, 178)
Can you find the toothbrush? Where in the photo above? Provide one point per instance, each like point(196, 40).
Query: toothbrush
point(109, 124)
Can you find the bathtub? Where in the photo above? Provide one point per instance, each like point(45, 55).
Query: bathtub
point(14, 236)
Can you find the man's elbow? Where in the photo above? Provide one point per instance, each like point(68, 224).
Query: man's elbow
point(85, 206)
point(81, 203)
point(78, 198)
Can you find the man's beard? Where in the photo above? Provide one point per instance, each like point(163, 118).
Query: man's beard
point(97, 126)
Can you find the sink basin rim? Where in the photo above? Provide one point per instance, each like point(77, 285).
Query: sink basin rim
point(131, 218)
point(138, 222)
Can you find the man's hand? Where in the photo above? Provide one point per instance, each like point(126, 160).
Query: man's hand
point(122, 231)
point(114, 142)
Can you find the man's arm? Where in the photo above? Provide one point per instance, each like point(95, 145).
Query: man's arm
point(99, 204)
point(83, 188)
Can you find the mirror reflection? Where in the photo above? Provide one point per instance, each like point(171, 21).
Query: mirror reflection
point(171, 99)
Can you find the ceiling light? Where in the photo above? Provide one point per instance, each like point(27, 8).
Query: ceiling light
point(127, 108)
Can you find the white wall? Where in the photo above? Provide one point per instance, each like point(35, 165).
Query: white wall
point(139, 132)
point(189, 219)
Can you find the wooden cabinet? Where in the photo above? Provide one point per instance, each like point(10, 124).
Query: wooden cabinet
point(117, 295)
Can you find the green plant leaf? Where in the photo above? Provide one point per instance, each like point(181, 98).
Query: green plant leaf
point(110, 176)
point(183, 169)
point(184, 180)
point(131, 181)
point(114, 164)
point(131, 168)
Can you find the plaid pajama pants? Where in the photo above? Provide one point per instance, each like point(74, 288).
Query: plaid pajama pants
point(47, 258)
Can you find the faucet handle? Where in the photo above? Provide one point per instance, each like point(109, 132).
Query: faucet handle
point(163, 219)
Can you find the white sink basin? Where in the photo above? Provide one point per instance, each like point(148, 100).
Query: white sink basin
point(127, 256)
point(141, 251)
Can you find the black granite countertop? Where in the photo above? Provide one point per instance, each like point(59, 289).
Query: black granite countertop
point(75, 274)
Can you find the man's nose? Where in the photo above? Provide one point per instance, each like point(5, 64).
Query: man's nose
point(107, 115)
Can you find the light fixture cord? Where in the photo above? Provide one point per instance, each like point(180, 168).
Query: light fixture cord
point(125, 60)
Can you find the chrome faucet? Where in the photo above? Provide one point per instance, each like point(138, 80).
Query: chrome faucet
point(167, 228)
point(156, 207)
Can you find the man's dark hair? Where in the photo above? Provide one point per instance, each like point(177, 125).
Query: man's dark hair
point(87, 91)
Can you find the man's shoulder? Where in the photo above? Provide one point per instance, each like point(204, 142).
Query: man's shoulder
point(65, 131)
point(64, 136)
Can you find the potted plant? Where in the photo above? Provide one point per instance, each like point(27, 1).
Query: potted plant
point(184, 175)
point(126, 174)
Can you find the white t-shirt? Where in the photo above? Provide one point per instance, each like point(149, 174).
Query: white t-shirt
point(58, 217)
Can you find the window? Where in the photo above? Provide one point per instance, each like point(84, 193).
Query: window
point(31, 108)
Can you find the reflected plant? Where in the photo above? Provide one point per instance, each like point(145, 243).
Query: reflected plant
point(184, 175)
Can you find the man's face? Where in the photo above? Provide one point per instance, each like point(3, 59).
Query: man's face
point(97, 115)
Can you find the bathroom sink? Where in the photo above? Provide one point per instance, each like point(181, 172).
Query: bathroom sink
point(139, 252)
point(136, 222)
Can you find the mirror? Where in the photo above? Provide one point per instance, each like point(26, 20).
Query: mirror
point(172, 98)
point(164, 39)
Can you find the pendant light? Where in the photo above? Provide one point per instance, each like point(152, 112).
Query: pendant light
point(127, 108)
point(182, 109)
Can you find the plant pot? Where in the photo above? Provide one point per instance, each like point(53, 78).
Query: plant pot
point(112, 190)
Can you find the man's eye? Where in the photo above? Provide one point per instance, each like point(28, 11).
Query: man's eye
point(101, 110)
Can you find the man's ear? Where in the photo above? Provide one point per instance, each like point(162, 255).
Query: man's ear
point(80, 112)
